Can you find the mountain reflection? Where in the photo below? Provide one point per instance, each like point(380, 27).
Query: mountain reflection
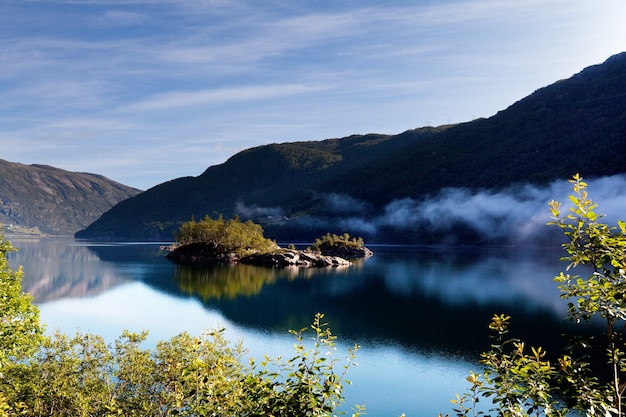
point(519, 277)
point(59, 268)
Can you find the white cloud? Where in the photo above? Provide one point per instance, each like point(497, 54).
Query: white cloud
point(247, 93)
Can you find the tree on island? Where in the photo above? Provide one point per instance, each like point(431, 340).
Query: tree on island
point(225, 235)
point(234, 241)
point(343, 246)
point(333, 240)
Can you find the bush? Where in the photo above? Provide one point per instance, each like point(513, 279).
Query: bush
point(333, 240)
point(588, 378)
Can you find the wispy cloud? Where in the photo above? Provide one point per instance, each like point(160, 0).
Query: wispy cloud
point(172, 69)
point(222, 95)
point(123, 18)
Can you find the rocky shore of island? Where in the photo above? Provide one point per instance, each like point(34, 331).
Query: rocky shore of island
point(280, 257)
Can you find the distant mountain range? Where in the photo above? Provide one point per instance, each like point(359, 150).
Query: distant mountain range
point(300, 190)
point(40, 199)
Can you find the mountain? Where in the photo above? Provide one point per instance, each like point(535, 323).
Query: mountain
point(48, 200)
point(300, 189)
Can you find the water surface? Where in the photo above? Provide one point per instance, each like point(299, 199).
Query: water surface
point(420, 314)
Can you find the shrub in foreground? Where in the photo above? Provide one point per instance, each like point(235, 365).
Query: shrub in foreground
point(589, 377)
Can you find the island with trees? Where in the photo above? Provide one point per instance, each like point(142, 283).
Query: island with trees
point(233, 241)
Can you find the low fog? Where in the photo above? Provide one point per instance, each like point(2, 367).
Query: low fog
point(515, 215)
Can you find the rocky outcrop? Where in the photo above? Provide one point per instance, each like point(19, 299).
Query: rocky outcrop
point(295, 258)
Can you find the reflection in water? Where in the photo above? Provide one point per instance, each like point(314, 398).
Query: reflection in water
point(425, 310)
point(233, 281)
point(517, 277)
point(427, 301)
point(423, 299)
point(57, 268)
point(219, 281)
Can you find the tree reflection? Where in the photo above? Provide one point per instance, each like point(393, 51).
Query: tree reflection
point(233, 281)
point(223, 281)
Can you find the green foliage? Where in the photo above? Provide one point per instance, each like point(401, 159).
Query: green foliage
point(308, 384)
point(183, 376)
point(524, 384)
point(333, 240)
point(226, 235)
point(20, 330)
point(601, 250)
point(518, 382)
point(82, 376)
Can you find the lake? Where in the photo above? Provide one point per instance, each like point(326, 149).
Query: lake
point(419, 314)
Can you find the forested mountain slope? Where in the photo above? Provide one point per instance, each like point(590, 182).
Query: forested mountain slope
point(48, 200)
point(573, 125)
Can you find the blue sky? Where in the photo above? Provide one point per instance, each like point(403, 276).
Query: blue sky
point(144, 91)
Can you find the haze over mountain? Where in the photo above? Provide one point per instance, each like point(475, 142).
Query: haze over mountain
point(414, 186)
point(43, 199)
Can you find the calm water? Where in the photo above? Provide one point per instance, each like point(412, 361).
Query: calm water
point(420, 315)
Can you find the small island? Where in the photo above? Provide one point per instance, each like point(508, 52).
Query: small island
point(220, 241)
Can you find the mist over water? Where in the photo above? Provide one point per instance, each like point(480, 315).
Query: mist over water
point(515, 215)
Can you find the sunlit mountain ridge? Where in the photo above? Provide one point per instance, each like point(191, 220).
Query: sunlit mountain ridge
point(44, 200)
